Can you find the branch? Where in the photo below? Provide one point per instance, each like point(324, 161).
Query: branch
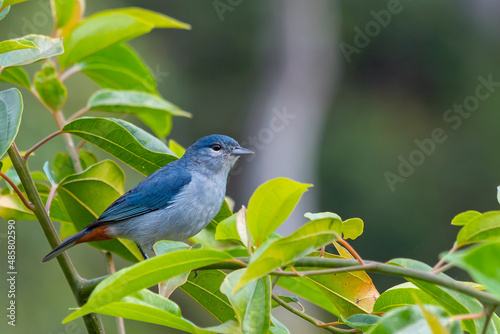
point(70, 144)
point(78, 114)
point(310, 319)
point(40, 143)
point(18, 192)
point(69, 72)
point(489, 310)
point(74, 280)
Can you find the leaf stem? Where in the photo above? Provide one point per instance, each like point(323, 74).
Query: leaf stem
point(378, 267)
point(52, 192)
point(18, 192)
point(351, 250)
point(40, 143)
point(74, 280)
point(443, 259)
point(78, 114)
point(489, 310)
point(310, 319)
point(69, 72)
point(323, 271)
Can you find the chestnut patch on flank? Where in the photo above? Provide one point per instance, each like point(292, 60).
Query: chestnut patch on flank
point(98, 234)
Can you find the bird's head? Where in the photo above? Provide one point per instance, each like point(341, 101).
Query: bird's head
point(217, 153)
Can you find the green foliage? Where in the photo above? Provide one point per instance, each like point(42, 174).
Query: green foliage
point(271, 204)
point(123, 140)
point(252, 304)
point(241, 258)
point(477, 262)
point(11, 109)
point(45, 47)
point(49, 87)
point(154, 111)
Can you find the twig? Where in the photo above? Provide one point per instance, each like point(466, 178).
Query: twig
point(351, 250)
point(92, 321)
point(275, 280)
point(110, 267)
point(489, 310)
point(70, 144)
point(69, 72)
point(18, 192)
point(473, 316)
point(442, 269)
point(78, 114)
point(443, 260)
point(310, 319)
point(378, 267)
point(40, 143)
point(80, 145)
point(323, 271)
point(52, 192)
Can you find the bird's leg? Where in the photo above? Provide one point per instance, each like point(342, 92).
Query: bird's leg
point(144, 255)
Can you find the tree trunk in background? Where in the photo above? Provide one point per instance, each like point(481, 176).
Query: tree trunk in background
point(300, 69)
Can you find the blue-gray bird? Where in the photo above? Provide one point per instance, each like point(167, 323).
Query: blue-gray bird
point(174, 203)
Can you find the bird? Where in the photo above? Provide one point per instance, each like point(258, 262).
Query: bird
point(174, 203)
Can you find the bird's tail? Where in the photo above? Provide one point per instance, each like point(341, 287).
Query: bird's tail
point(90, 233)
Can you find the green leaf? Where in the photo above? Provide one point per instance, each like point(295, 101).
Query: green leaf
point(13, 45)
point(63, 10)
point(151, 109)
point(271, 204)
point(11, 109)
point(464, 218)
point(410, 319)
point(283, 251)
point(17, 76)
point(49, 87)
point(118, 67)
point(308, 290)
point(123, 140)
point(111, 27)
point(147, 306)
point(63, 165)
point(482, 228)
point(454, 302)
point(226, 229)
point(204, 288)
point(480, 262)
point(46, 47)
point(3, 12)
point(352, 228)
point(166, 288)
point(176, 148)
point(11, 207)
point(321, 215)
point(286, 299)
point(401, 295)
point(6, 3)
point(86, 195)
point(145, 274)
point(348, 293)
point(363, 322)
point(252, 304)
point(278, 327)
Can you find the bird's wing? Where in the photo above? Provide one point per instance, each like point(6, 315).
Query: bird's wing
point(156, 193)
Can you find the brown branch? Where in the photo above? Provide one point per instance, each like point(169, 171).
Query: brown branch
point(78, 114)
point(50, 197)
point(18, 192)
point(351, 250)
point(40, 143)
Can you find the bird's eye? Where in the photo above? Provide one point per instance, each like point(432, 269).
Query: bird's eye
point(216, 147)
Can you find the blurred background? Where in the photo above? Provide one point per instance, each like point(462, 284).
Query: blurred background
point(345, 95)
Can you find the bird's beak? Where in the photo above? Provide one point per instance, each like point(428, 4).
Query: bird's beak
point(241, 151)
